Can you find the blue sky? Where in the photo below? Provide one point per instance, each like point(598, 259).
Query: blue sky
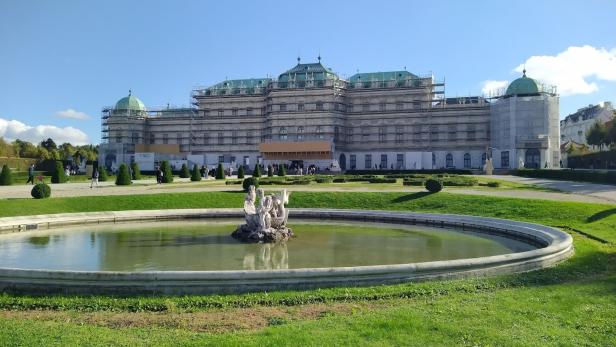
point(64, 60)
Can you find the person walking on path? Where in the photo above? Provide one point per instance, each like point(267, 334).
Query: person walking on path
point(30, 174)
point(94, 178)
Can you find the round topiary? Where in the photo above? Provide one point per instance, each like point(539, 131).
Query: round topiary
point(167, 173)
point(6, 177)
point(59, 175)
point(102, 174)
point(240, 172)
point(282, 170)
point(123, 178)
point(270, 171)
point(41, 191)
point(135, 171)
point(250, 181)
point(434, 186)
point(220, 172)
point(195, 175)
point(257, 171)
point(184, 172)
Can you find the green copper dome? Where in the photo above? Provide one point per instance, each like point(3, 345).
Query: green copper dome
point(130, 103)
point(523, 86)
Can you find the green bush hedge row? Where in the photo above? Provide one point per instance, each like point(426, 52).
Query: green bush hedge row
point(607, 177)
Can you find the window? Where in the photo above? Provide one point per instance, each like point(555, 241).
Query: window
point(470, 135)
point(467, 161)
point(283, 107)
point(399, 161)
point(353, 161)
point(119, 139)
point(382, 106)
point(135, 137)
point(300, 133)
point(365, 107)
point(300, 106)
point(399, 135)
point(283, 133)
point(234, 112)
point(417, 104)
point(249, 137)
point(234, 137)
point(399, 106)
point(206, 113)
point(505, 159)
point(152, 139)
point(452, 134)
point(319, 106)
point(221, 158)
point(206, 139)
point(336, 133)
point(368, 161)
point(165, 139)
point(179, 139)
point(221, 113)
point(350, 107)
point(483, 159)
point(449, 160)
point(365, 133)
point(433, 160)
point(382, 134)
point(249, 111)
point(221, 139)
point(383, 164)
point(336, 106)
point(349, 134)
point(319, 132)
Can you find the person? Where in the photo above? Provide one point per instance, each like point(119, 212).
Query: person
point(159, 175)
point(94, 178)
point(202, 171)
point(30, 174)
point(67, 171)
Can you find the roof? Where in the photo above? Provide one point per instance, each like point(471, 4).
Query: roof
point(523, 86)
point(382, 76)
point(130, 102)
point(302, 72)
point(242, 83)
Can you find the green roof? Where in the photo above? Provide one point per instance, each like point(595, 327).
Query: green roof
point(523, 86)
point(243, 83)
point(130, 103)
point(302, 72)
point(382, 76)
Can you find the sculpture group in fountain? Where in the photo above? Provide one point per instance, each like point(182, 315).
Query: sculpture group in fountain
point(266, 222)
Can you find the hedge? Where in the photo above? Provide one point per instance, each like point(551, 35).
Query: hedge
point(393, 172)
point(6, 178)
point(434, 186)
point(250, 181)
point(123, 178)
point(184, 172)
point(59, 175)
point(257, 171)
point(606, 177)
point(40, 191)
point(195, 174)
point(382, 180)
point(240, 172)
point(167, 173)
point(102, 174)
point(135, 170)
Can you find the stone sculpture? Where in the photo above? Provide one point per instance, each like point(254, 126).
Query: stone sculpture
point(265, 221)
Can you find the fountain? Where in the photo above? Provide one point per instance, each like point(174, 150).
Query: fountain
point(267, 222)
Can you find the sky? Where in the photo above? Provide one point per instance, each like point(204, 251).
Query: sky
point(62, 61)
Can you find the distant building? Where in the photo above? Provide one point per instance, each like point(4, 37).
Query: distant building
point(310, 116)
point(575, 126)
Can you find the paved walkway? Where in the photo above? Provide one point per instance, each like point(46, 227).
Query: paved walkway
point(580, 192)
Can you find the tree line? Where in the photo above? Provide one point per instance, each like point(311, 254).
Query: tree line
point(601, 134)
point(48, 149)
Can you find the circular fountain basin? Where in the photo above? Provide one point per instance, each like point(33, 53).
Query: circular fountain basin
point(191, 252)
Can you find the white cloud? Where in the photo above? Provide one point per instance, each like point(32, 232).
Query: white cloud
point(574, 71)
point(492, 87)
point(14, 129)
point(72, 114)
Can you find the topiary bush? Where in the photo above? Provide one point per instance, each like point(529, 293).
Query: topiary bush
point(220, 172)
point(282, 170)
point(493, 184)
point(257, 171)
point(6, 177)
point(59, 175)
point(123, 178)
point(270, 171)
point(102, 174)
point(340, 180)
point(250, 181)
point(136, 172)
point(195, 175)
point(323, 180)
point(41, 191)
point(167, 173)
point(240, 172)
point(382, 180)
point(434, 186)
point(184, 172)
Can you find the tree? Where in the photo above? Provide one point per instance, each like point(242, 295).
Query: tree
point(195, 175)
point(7, 149)
point(6, 177)
point(611, 133)
point(42, 153)
point(123, 178)
point(136, 171)
point(240, 172)
point(220, 172)
point(596, 135)
point(270, 171)
point(282, 171)
point(66, 151)
point(102, 174)
point(257, 171)
point(59, 176)
point(184, 172)
point(49, 144)
point(167, 173)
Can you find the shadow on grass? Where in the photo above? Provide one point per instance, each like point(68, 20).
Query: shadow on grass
point(600, 215)
point(412, 196)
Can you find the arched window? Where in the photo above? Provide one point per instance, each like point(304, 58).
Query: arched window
point(449, 160)
point(283, 133)
point(467, 161)
point(300, 133)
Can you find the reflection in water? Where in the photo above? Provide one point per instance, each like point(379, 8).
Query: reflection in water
point(267, 256)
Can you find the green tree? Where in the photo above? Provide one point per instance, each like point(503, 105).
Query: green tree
point(220, 172)
point(257, 171)
point(136, 171)
point(195, 175)
point(167, 173)
point(270, 171)
point(6, 177)
point(184, 172)
point(611, 133)
point(596, 135)
point(102, 174)
point(282, 170)
point(240, 172)
point(123, 178)
point(7, 149)
point(49, 144)
point(42, 153)
point(59, 175)
point(66, 151)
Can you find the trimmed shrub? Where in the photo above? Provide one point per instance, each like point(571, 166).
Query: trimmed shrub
point(59, 175)
point(123, 178)
point(282, 171)
point(41, 191)
point(394, 172)
point(196, 174)
point(493, 184)
point(167, 173)
point(323, 180)
point(257, 171)
point(382, 180)
point(459, 181)
point(135, 171)
point(220, 172)
point(250, 181)
point(339, 180)
point(434, 186)
point(184, 172)
point(240, 172)
point(270, 171)
point(607, 177)
point(414, 182)
point(232, 182)
point(102, 174)
point(6, 178)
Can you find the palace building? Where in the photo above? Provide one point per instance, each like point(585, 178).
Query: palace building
point(310, 116)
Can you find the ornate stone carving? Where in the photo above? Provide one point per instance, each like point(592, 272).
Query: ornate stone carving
point(265, 221)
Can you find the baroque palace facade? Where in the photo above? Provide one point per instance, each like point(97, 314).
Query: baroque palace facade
point(310, 116)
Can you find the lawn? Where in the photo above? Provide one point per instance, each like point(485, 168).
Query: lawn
point(569, 304)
